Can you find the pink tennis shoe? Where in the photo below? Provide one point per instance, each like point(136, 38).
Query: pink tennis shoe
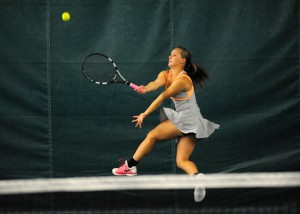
point(125, 170)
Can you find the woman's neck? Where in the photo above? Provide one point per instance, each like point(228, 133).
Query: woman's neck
point(176, 71)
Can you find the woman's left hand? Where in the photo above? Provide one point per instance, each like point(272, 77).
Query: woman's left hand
point(139, 119)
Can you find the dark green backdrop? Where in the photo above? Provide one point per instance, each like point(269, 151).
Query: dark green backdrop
point(54, 123)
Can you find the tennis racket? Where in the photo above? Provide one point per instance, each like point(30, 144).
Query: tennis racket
point(100, 69)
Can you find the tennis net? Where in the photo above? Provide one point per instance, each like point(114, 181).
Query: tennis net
point(225, 193)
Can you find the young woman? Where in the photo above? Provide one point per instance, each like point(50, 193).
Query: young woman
point(186, 123)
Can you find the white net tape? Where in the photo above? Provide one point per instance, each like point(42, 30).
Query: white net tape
point(143, 182)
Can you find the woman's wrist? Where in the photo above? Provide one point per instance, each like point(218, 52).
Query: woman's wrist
point(145, 114)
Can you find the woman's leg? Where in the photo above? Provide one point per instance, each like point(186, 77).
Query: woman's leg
point(185, 148)
point(164, 131)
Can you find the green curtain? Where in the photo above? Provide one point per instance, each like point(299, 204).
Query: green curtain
point(54, 123)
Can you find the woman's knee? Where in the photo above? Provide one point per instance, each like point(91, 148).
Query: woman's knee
point(180, 163)
point(152, 135)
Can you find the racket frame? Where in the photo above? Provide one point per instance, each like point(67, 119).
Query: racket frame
point(117, 73)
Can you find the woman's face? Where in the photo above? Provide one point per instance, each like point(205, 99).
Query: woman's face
point(175, 59)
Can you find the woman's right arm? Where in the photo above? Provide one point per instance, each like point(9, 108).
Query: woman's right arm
point(154, 85)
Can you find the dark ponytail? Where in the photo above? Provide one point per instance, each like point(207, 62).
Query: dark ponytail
point(196, 72)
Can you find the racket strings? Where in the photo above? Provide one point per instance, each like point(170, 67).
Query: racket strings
point(98, 68)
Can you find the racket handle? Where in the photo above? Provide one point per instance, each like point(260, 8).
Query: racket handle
point(133, 86)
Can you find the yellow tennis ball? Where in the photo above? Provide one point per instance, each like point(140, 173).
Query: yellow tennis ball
point(65, 16)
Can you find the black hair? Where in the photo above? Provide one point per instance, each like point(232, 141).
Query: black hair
point(197, 73)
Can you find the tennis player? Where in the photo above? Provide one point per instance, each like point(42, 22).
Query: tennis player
point(186, 123)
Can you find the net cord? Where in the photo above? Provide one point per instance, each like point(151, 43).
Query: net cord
point(148, 182)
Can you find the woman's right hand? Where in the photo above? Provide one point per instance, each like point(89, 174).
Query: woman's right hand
point(141, 90)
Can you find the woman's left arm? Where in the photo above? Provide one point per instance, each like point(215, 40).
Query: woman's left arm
point(181, 84)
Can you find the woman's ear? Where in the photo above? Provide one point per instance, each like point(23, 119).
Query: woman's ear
point(183, 60)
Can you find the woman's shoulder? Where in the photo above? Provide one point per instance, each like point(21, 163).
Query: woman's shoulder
point(184, 77)
point(162, 77)
point(164, 73)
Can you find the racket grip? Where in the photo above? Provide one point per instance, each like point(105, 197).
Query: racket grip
point(133, 86)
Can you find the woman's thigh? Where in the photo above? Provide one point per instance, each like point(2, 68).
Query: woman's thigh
point(185, 147)
point(164, 131)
